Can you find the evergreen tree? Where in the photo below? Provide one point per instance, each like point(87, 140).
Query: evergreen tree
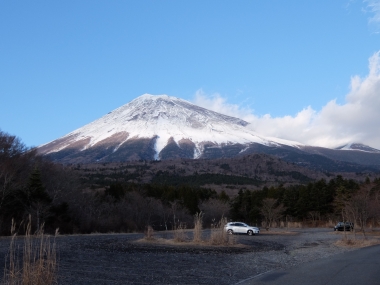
point(37, 199)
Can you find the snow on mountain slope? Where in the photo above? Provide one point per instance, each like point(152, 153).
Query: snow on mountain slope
point(161, 117)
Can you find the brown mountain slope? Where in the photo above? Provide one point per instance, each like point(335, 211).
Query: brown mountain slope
point(247, 172)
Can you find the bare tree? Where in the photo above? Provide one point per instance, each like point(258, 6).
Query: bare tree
point(214, 210)
point(16, 163)
point(61, 183)
point(271, 211)
point(165, 214)
point(374, 206)
point(174, 207)
point(314, 215)
point(375, 201)
point(351, 211)
point(358, 207)
point(13, 163)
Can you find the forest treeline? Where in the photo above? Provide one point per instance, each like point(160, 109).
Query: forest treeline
point(318, 200)
point(56, 196)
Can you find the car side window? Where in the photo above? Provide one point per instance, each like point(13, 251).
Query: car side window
point(239, 225)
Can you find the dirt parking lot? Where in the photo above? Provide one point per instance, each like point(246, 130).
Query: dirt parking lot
point(120, 259)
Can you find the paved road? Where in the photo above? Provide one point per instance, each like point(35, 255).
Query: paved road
point(357, 267)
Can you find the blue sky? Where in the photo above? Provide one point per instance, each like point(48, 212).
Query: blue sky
point(288, 67)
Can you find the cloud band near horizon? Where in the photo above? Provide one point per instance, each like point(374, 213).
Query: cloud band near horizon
point(357, 120)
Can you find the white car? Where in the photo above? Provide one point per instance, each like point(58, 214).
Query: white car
point(240, 228)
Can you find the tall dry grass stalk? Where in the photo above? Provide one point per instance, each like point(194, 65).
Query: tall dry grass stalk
point(39, 260)
point(179, 233)
point(149, 233)
point(219, 236)
point(198, 223)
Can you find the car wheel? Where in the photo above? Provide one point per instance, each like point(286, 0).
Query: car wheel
point(230, 232)
point(250, 233)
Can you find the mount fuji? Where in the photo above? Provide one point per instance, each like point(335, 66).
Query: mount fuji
point(160, 127)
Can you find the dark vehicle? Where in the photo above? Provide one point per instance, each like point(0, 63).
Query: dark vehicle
point(341, 226)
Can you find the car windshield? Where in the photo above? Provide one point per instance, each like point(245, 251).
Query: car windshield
point(346, 223)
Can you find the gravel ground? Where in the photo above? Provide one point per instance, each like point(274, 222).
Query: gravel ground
point(120, 259)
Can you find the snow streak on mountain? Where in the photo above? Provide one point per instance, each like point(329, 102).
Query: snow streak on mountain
point(160, 121)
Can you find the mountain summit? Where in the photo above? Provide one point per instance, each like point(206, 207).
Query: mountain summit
point(156, 127)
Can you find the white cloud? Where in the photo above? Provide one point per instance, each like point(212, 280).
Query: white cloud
point(357, 120)
point(217, 103)
point(374, 8)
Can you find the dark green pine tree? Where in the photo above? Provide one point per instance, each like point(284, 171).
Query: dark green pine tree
point(38, 200)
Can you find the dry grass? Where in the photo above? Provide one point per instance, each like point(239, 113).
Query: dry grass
point(294, 225)
point(359, 233)
point(330, 224)
point(39, 260)
point(189, 244)
point(179, 233)
point(149, 233)
point(357, 243)
point(219, 236)
point(198, 223)
point(357, 239)
point(372, 232)
point(277, 232)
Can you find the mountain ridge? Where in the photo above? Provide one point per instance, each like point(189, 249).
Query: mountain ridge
point(358, 146)
point(156, 127)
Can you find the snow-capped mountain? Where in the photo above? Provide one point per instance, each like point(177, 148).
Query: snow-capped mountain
point(162, 120)
point(358, 146)
point(162, 127)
